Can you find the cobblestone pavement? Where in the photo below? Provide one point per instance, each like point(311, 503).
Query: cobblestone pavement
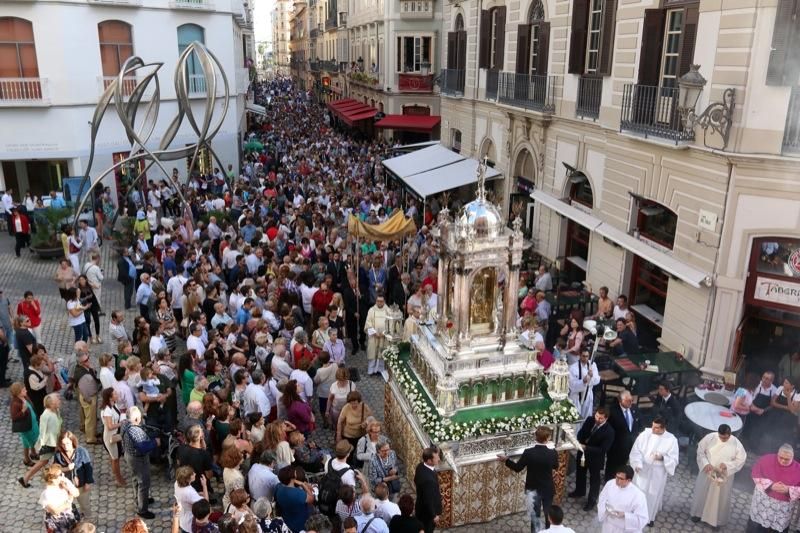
point(111, 506)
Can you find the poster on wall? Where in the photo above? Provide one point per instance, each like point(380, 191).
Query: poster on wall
point(777, 291)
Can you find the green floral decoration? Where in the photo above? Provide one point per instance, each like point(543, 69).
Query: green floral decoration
point(441, 429)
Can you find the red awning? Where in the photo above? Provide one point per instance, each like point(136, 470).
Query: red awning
point(338, 103)
point(417, 123)
point(351, 117)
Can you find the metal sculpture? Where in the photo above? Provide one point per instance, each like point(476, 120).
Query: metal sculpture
point(127, 112)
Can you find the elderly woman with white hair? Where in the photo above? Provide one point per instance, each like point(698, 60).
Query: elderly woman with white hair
point(263, 510)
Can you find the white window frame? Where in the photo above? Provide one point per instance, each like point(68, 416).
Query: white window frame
point(665, 53)
point(418, 59)
point(493, 40)
point(534, 50)
point(596, 7)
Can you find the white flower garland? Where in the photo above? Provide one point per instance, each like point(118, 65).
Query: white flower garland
point(441, 429)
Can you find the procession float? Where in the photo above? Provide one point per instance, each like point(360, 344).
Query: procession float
point(465, 382)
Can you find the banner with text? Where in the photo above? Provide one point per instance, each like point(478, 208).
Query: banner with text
point(777, 291)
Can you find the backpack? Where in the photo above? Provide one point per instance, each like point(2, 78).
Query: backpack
point(329, 489)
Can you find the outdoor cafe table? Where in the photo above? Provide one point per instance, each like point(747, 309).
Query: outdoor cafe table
point(701, 393)
point(641, 380)
point(708, 416)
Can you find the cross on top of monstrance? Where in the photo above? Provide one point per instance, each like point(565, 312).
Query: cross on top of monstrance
point(482, 179)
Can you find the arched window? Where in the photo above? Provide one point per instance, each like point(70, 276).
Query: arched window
point(656, 222)
point(187, 34)
point(116, 46)
point(459, 25)
point(18, 60)
point(580, 190)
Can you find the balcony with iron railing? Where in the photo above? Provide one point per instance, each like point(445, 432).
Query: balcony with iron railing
point(492, 81)
point(590, 94)
point(653, 112)
point(23, 91)
point(791, 132)
point(196, 84)
point(314, 66)
point(329, 66)
point(533, 92)
point(330, 24)
point(452, 81)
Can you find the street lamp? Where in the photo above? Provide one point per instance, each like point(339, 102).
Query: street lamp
point(718, 115)
point(360, 62)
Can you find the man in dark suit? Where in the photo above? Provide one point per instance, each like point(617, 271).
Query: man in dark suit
point(126, 274)
point(627, 426)
point(393, 278)
point(429, 497)
point(596, 436)
point(400, 291)
point(667, 406)
point(338, 270)
point(351, 298)
point(540, 461)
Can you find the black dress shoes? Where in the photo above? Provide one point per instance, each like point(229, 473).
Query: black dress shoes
point(589, 506)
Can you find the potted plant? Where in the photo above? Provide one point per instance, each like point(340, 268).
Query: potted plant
point(46, 240)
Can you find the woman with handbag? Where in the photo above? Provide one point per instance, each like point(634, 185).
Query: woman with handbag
point(352, 424)
point(112, 418)
point(24, 423)
point(49, 430)
point(57, 499)
point(367, 446)
point(76, 465)
point(383, 468)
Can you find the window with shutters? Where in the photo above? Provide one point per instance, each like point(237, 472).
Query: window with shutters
point(594, 38)
point(456, 141)
point(116, 46)
point(413, 52)
point(534, 48)
point(493, 41)
point(784, 60)
point(17, 49)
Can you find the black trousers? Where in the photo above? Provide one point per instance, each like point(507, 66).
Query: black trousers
point(428, 525)
point(144, 311)
point(21, 241)
point(4, 351)
point(351, 328)
point(127, 291)
point(594, 480)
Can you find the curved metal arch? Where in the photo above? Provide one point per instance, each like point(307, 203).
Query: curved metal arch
point(138, 137)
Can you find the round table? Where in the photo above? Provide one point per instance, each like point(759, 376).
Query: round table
point(707, 416)
point(701, 393)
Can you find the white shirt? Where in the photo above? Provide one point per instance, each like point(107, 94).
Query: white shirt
point(349, 478)
point(186, 496)
point(307, 293)
point(175, 290)
point(305, 384)
point(196, 343)
point(620, 313)
point(386, 509)
point(106, 376)
point(262, 482)
point(255, 399)
point(558, 529)
point(75, 320)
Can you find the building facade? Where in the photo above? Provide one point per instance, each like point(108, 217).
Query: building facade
point(48, 91)
point(299, 45)
point(579, 104)
point(282, 36)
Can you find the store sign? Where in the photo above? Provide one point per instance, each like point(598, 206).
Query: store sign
point(777, 291)
point(794, 262)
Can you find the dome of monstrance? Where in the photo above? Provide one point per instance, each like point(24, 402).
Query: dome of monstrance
point(480, 218)
point(483, 217)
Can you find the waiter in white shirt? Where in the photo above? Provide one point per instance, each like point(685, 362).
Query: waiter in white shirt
point(582, 378)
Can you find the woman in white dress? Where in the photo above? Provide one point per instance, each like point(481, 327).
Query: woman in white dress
point(112, 419)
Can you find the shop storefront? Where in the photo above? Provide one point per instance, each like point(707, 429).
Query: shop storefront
point(770, 326)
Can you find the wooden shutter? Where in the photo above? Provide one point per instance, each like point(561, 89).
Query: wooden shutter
point(691, 16)
point(544, 47)
point(461, 58)
point(452, 50)
point(782, 68)
point(607, 38)
point(523, 48)
point(485, 32)
point(500, 42)
point(577, 39)
point(652, 43)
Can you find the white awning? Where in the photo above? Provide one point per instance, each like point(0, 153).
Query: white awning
point(564, 209)
point(447, 177)
point(255, 108)
point(663, 260)
point(421, 161)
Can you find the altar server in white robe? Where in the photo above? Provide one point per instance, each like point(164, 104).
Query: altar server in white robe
point(622, 506)
point(375, 327)
point(654, 457)
point(719, 456)
point(582, 378)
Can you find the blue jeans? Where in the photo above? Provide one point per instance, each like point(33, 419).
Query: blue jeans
point(534, 504)
point(81, 332)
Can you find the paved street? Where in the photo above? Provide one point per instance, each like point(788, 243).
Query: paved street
point(112, 506)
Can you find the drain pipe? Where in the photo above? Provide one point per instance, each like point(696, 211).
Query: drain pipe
point(711, 308)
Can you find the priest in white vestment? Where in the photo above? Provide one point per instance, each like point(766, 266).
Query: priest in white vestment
point(375, 327)
point(622, 506)
point(582, 379)
point(654, 457)
point(719, 456)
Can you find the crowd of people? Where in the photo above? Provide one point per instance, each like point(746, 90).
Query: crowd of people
point(248, 304)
